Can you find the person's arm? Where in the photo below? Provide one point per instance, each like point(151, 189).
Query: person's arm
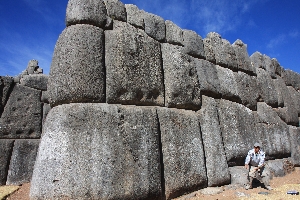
point(247, 160)
point(262, 160)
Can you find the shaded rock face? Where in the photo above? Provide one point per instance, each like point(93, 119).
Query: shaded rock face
point(6, 148)
point(6, 84)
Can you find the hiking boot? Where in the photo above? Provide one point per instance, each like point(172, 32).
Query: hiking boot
point(269, 187)
point(248, 187)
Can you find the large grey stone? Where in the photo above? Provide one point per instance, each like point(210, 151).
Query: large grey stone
point(22, 161)
point(275, 132)
point(6, 84)
point(278, 68)
point(155, 26)
point(174, 34)
point(242, 57)
point(267, 88)
point(116, 10)
point(215, 158)
point(46, 109)
point(229, 54)
point(268, 66)
point(6, 148)
point(182, 89)
point(98, 151)
point(238, 127)
point(276, 167)
point(292, 78)
point(193, 44)
point(228, 84)
point(32, 66)
point(36, 81)
point(86, 12)
point(287, 77)
point(295, 98)
point(133, 67)
point(247, 89)
point(239, 175)
point(257, 60)
point(22, 115)
point(77, 69)
point(134, 16)
point(295, 144)
point(281, 89)
point(182, 149)
point(208, 78)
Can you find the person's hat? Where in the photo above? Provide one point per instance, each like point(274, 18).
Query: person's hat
point(256, 144)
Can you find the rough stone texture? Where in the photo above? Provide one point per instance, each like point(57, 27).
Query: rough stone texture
point(36, 81)
point(182, 149)
point(32, 66)
point(155, 26)
point(86, 12)
point(230, 58)
point(238, 127)
point(257, 60)
point(247, 89)
point(22, 161)
point(276, 167)
point(287, 77)
point(296, 81)
point(295, 144)
point(133, 67)
point(46, 109)
point(267, 87)
point(45, 97)
point(269, 67)
point(295, 98)
point(208, 78)
point(279, 85)
point(278, 69)
point(215, 158)
point(209, 49)
point(6, 84)
point(79, 155)
point(182, 89)
point(228, 84)
point(239, 175)
point(116, 10)
point(174, 34)
point(242, 57)
point(275, 132)
point(22, 115)
point(77, 69)
point(193, 44)
point(134, 16)
point(6, 148)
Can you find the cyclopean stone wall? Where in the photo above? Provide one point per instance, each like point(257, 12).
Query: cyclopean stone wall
point(141, 109)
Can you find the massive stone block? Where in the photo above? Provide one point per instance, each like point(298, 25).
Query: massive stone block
point(86, 12)
point(155, 26)
point(278, 68)
point(22, 161)
point(6, 84)
point(98, 151)
point(116, 9)
point(133, 67)
point(295, 144)
point(182, 149)
point(182, 89)
point(295, 98)
point(36, 81)
point(238, 127)
point(193, 44)
point(215, 158)
point(243, 60)
point(228, 84)
point(22, 115)
point(275, 132)
point(268, 66)
point(208, 78)
point(174, 34)
point(6, 148)
point(247, 89)
point(77, 69)
point(267, 88)
point(134, 16)
point(291, 78)
point(239, 175)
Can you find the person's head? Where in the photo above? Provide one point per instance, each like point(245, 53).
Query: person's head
point(256, 147)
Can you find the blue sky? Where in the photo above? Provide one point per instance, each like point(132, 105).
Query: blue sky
point(30, 28)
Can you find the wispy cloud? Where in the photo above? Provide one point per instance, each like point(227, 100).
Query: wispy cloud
point(282, 39)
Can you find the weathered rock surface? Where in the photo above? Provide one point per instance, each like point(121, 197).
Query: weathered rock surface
point(22, 161)
point(116, 10)
point(36, 81)
point(6, 148)
point(133, 67)
point(239, 175)
point(295, 98)
point(193, 44)
point(295, 144)
point(242, 57)
point(268, 66)
point(79, 155)
point(46, 109)
point(77, 69)
point(215, 158)
point(182, 89)
point(208, 78)
point(155, 26)
point(238, 127)
point(22, 115)
point(182, 149)
point(6, 84)
point(86, 12)
point(174, 34)
point(278, 68)
point(134, 16)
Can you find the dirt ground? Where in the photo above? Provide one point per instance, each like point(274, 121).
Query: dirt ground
point(280, 186)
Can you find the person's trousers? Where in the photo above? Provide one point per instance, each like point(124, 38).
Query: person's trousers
point(261, 174)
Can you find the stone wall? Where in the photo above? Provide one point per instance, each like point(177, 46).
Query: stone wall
point(141, 109)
